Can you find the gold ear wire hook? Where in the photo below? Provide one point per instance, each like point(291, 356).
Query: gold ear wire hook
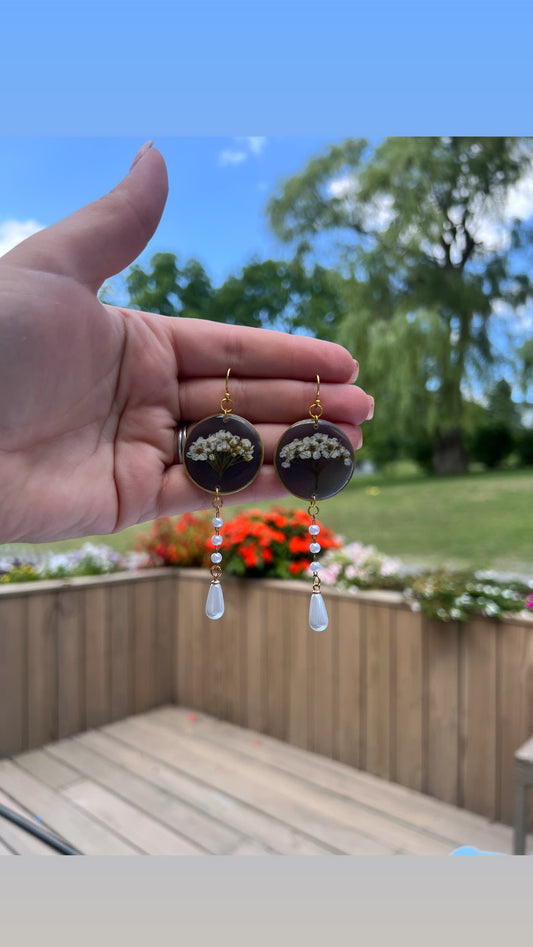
point(226, 404)
point(315, 411)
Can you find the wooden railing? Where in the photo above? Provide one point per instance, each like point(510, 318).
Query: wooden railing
point(439, 708)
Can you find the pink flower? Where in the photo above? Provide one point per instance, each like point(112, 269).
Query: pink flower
point(529, 601)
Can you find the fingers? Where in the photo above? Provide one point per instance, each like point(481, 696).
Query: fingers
point(104, 237)
point(282, 400)
point(207, 349)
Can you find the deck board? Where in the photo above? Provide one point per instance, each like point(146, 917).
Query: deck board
point(175, 781)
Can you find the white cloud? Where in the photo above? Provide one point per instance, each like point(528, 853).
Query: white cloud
point(247, 147)
point(256, 145)
point(232, 157)
point(490, 226)
point(13, 232)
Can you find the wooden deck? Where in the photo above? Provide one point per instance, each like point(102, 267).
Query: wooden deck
point(172, 781)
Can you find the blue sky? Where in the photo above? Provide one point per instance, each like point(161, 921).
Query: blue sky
point(217, 196)
point(215, 212)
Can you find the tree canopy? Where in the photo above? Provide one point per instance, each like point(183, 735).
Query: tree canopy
point(425, 237)
point(268, 293)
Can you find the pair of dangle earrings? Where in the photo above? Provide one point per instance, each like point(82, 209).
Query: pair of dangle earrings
point(314, 460)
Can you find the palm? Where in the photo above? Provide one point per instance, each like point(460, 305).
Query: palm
point(89, 411)
point(90, 395)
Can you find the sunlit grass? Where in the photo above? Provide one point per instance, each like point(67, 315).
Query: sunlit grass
point(479, 520)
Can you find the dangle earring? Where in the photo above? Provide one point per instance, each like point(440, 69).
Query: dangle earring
point(222, 455)
point(314, 461)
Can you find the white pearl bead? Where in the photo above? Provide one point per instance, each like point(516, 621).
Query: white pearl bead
point(314, 529)
point(217, 522)
point(216, 557)
point(314, 548)
point(214, 607)
point(315, 567)
point(318, 616)
point(216, 540)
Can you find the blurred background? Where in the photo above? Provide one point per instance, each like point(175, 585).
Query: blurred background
point(415, 253)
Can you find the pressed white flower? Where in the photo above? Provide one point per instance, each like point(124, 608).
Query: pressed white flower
point(316, 446)
point(221, 450)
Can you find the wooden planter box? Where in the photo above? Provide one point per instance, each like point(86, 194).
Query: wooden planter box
point(440, 708)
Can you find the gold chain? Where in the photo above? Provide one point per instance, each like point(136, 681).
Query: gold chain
point(218, 503)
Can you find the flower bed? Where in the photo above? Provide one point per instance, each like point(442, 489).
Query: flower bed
point(274, 544)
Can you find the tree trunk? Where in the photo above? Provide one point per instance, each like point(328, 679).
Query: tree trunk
point(449, 455)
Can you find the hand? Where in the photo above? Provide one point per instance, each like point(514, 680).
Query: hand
point(90, 394)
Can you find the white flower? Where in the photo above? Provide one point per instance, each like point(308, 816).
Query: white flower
point(221, 450)
point(316, 446)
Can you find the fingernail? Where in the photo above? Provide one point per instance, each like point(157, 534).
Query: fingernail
point(370, 414)
point(142, 151)
point(360, 441)
point(355, 372)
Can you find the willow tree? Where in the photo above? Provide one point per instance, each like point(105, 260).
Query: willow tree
point(429, 240)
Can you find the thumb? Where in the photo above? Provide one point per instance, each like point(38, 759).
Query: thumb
point(104, 237)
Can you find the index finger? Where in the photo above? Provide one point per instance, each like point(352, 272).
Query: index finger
point(207, 349)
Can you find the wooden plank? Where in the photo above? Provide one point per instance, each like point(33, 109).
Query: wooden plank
point(62, 818)
point(477, 762)
point(249, 787)
point(20, 841)
point(70, 617)
point(450, 824)
point(441, 703)
point(196, 831)
point(188, 623)
point(278, 605)
point(198, 657)
point(127, 821)
point(348, 675)
point(408, 705)
point(164, 639)
point(121, 651)
point(144, 667)
point(299, 684)
point(46, 769)
point(13, 675)
point(97, 658)
point(232, 658)
point(515, 653)
point(377, 697)
point(255, 668)
point(247, 821)
point(343, 825)
point(42, 669)
point(321, 721)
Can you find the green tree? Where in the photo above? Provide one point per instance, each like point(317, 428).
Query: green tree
point(170, 290)
point(266, 294)
point(501, 408)
point(425, 256)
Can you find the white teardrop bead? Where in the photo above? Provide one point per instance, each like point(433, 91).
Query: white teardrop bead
point(214, 607)
point(318, 616)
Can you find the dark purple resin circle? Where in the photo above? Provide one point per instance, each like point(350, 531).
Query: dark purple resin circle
point(314, 460)
point(224, 453)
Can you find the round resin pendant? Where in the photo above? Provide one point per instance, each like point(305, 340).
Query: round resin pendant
point(314, 459)
point(223, 453)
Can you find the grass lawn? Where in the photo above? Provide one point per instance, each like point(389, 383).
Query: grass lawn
point(478, 520)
